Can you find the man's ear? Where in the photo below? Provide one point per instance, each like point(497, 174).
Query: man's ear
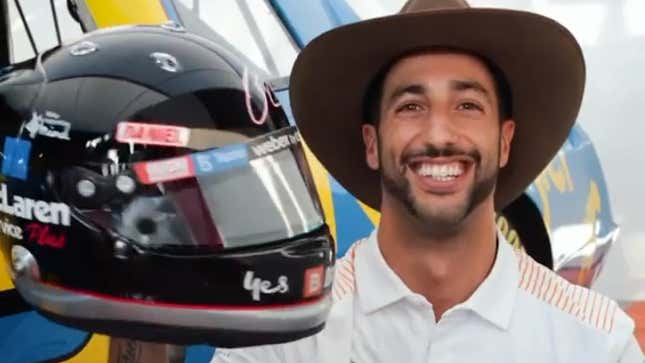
point(506, 137)
point(370, 139)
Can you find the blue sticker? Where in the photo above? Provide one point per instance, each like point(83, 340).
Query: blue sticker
point(217, 160)
point(16, 157)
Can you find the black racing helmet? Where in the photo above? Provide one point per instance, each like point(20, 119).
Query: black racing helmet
point(153, 188)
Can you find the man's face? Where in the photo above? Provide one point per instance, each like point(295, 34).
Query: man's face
point(440, 143)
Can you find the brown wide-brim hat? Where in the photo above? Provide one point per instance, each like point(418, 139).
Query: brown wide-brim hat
point(540, 58)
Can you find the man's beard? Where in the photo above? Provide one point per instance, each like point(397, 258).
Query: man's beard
point(446, 221)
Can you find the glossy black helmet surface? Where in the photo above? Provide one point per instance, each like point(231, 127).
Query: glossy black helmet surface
point(153, 188)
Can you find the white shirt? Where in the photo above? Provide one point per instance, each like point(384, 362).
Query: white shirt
point(522, 312)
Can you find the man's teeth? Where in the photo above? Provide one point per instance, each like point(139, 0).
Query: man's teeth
point(442, 172)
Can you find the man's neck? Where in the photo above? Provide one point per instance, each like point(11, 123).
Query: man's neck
point(447, 270)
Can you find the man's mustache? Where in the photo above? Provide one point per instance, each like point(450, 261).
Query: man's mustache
point(434, 152)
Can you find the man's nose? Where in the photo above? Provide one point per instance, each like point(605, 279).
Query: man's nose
point(439, 128)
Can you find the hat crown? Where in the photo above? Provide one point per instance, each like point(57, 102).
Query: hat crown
point(413, 6)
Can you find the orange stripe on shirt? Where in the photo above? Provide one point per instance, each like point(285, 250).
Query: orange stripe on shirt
point(586, 305)
point(547, 292)
point(600, 319)
point(344, 279)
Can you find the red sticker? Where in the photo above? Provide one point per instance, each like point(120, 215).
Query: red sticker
point(152, 134)
point(152, 172)
point(314, 280)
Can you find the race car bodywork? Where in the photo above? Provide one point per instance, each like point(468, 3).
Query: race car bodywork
point(563, 219)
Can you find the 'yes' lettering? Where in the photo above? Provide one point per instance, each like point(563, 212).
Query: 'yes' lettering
point(257, 286)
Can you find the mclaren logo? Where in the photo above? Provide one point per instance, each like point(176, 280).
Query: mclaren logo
point(31, 209)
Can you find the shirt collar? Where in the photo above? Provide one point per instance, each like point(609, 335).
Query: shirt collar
point(378, 286)
point(494, 299)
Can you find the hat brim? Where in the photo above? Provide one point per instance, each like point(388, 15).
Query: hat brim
point(540, 58)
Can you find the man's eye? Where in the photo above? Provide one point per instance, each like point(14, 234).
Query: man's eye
point(409, 107)
point(469, 106)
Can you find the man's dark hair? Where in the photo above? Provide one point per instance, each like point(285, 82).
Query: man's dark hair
point(372, 99)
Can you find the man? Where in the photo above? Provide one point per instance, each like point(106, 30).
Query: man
point(458, 110)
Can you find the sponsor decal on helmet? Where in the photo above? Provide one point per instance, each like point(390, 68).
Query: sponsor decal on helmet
point(257, 286)
point(44, 236)
point(47, 125)
point(83, 48)
point(275, 142)
point(10, 229)
point(167, 62)
point(314, 281)
point(216, 160)
point(16, 157)
point(224, 158)
point(152, 134)
point(33, 209)
point(151, 172)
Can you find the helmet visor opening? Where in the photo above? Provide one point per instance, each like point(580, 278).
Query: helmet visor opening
point(239, 195)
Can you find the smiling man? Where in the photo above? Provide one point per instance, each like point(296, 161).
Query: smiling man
point(439, 132)
point(438, 117)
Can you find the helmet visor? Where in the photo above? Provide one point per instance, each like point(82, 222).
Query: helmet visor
point(238, 195)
